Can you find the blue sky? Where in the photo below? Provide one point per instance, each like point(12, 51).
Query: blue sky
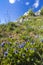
point(10, 10)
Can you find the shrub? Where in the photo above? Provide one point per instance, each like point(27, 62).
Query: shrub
point(31, 13)
point(41, 13)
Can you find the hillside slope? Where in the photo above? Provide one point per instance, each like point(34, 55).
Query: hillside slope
point(32, 27)
point(21, 42)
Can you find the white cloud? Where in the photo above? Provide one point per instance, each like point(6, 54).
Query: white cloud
point(36, 4)
point(12, 1)
point(27, 3)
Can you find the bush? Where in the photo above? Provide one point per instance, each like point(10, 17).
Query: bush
point(20, 54)
point(31, 13)
point(41, 13)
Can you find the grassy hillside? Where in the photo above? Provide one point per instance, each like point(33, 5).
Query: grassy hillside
point(21, 43)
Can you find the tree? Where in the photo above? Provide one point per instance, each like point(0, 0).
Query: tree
point(41, 13)
point(31, 13)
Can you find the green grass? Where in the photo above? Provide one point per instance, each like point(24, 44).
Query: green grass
point(28, 32)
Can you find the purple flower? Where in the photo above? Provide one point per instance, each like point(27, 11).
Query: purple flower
point(16, 51)
point(2, 44)
point(26, 49)
point(22, 45)
point(23, 55)
point(5, 54)
point(33, 49)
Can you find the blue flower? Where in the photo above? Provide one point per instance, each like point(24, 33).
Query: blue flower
point(5, 53)
point(26, 49)
point(16, 51)
point(23, 55)
point(33, 49)
point(22, 45)
point(2, 44)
